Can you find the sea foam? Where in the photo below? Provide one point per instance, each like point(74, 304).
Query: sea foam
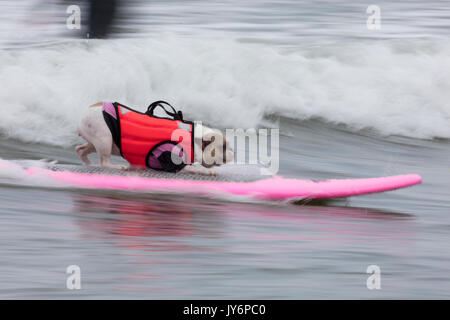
point(395, 87)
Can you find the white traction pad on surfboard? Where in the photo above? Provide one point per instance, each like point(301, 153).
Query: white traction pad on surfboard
point(155, 174)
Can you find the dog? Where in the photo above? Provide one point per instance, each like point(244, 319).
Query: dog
point(210, 147)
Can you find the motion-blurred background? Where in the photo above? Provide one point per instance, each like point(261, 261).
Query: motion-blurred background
point(350, 102)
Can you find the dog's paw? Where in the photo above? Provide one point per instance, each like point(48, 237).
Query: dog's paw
point(212, 173)
point(115, 166)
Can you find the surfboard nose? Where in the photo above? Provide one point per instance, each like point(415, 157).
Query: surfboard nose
point(411, 179)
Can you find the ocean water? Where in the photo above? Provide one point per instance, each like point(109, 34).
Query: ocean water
point(349, 102)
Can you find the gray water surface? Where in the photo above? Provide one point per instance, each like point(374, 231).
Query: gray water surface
point(136, 246)
point(162, 247)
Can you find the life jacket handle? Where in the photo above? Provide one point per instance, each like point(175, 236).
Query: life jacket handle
point(176, 115)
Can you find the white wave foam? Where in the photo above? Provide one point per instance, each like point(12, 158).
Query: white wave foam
point(394, 87)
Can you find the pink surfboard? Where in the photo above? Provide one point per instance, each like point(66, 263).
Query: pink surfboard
point(275, 188)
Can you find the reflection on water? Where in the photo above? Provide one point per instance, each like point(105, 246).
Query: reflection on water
point(138, 224)
point(192, 240)
point(159, 216)
point(162, 223)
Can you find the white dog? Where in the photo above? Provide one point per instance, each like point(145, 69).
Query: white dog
point(210, 148)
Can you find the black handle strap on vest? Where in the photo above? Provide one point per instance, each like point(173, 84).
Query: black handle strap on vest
point(176, 115)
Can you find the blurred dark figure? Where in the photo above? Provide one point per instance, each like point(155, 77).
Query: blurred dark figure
point(101, 17)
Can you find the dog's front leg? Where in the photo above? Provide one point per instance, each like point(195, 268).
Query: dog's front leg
point(106, 163)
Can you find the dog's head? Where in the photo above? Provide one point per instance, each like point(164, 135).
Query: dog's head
point(211, 147)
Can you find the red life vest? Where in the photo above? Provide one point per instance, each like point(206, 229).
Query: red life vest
point(137, 134)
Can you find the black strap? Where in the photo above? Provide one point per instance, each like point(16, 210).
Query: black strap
point(176, 115)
